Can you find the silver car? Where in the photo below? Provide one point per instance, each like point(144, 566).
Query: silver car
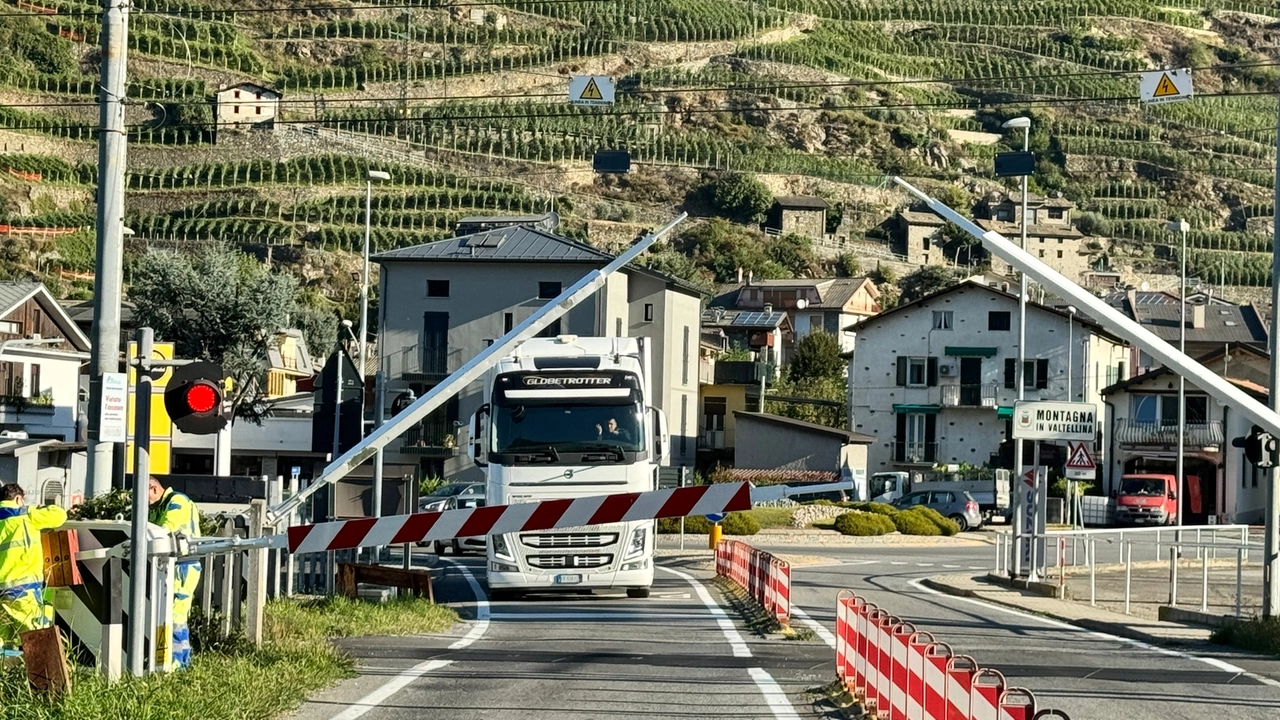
point(959, 506)
point(439, 500)
point(479, 543)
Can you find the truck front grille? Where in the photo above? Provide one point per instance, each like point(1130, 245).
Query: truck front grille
point(569, 540)
point(569, 561)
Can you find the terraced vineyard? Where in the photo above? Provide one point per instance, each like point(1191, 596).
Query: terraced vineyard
point(831, 95)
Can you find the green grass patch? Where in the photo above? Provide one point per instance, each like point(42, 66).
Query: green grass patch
point(769, 517)
point(1257, 634)
point(234, 681)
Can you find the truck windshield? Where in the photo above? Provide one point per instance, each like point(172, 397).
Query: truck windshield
point(882, 484)
point(1142, 486)
point(568, 428)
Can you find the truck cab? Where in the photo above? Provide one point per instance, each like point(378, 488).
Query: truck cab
point(1147, 499)
point(885, 487)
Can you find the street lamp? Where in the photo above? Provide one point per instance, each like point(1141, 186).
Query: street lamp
point(1025, 124)
point(364, 277)
point(1182, 227)
point(1071, 321)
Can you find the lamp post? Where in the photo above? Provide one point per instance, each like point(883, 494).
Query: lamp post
point(364, 277)
point(1071, 321)
point(1182, 227)
point(1019, 380)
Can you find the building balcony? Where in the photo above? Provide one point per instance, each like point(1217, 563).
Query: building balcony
point(436, 451)
point(428, 365)
point(712, 440)
point(1198, 435)
point(741, 372)
point(923, 453)
point(706, 371)
point(981, 395)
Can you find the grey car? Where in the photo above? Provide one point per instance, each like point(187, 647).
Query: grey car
point(959, 506)
point(478, 544)
point(439, 500)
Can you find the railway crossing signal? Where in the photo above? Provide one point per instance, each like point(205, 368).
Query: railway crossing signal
point(195, 398)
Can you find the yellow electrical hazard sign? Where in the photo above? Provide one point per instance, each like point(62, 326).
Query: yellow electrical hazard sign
point(591, 90)
point(1162, 86)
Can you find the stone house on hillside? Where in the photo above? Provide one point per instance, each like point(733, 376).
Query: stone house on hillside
point(798, 215)
point(245, 105)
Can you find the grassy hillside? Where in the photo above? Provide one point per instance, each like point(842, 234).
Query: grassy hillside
point(465, 106)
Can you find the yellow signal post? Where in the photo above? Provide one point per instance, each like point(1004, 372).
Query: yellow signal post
point(161, 457)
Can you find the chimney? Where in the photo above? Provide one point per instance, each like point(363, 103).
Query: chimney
point(739, 276)
point(1197, 317)
point(768, 308)
point(751, 276)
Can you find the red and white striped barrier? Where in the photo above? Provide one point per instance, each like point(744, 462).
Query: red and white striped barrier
point(765, 578)
point(899, 673)
point(523, 517)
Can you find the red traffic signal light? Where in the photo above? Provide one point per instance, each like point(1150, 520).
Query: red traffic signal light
point(194, 398)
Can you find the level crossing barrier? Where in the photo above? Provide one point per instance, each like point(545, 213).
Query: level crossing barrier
point(765, 578)
point(896, 672)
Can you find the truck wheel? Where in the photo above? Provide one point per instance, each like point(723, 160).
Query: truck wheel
point(638, 592)
point(964, 524)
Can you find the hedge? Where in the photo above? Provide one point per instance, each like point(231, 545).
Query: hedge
point(733, 524)
point(944, 524)
point(910, 522)
point(874, 507)
point(863, 523)
point(739, 524)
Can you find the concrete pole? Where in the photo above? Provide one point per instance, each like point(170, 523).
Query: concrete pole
point(1180, 471)
point(1071, 321)
point(379, 391)
point(364, 276)
point(138, 537)
point(1271, 542)
point(109, 261)
point(222, 452)
point(1018, 371)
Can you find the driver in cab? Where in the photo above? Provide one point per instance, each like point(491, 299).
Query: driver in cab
point(612, 432)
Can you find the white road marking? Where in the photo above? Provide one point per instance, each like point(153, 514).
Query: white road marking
point(358, 708)
point(979, 567)
point(897, 562)
point(731, 633)
point(924, 564)
point(952, 567)
point(774, 695)
point(391, 687)
point(639, 616)
point(1212, 662)
point(814, 625)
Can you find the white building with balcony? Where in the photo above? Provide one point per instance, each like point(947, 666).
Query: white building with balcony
point(1143, 414)
point(934, 380)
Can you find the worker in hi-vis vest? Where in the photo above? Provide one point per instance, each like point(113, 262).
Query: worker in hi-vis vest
point(176, 513)
point(22, 605)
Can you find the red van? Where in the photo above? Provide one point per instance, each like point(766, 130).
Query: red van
point(1147, 499)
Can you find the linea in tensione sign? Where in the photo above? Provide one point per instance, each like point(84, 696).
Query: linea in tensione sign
point(1054, 421)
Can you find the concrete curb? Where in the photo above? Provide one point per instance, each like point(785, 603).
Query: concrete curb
point(1111, 628)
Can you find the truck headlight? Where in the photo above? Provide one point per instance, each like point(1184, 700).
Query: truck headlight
point(637, 565)
point(500, 547)
point(503, 567)
point(637, 542)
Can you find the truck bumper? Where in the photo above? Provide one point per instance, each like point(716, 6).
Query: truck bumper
point(567, 579)
point(1142, 517)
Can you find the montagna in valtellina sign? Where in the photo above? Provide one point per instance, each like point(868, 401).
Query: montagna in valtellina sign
point(1054, 421)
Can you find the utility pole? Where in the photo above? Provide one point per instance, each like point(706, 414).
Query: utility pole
point(138, 560)
point(109, 260)
point(1271, 542)
point(1020, 370)
point(1181, 227)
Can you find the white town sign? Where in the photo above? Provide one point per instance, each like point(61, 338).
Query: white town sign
point(1054, 421)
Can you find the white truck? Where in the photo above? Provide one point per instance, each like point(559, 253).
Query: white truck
point(570, 417)
point(989, 488)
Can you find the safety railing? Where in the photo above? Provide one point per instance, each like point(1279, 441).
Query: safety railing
point(1064, 551)
point(765, 578)
point(895, 671)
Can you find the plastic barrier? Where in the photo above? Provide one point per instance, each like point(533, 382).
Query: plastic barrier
point(899, 673)
point(765, 578)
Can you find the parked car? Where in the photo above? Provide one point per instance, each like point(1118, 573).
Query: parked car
point(479, 543)
point(439, 499)
point(957, 505)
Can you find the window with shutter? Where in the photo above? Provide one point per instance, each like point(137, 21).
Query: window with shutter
point(902, 372)
point(1010, 372)
point(932, 372)
point(1042, 374)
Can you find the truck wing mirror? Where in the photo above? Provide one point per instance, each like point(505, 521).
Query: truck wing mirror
point(661, 440)
point(479, 435)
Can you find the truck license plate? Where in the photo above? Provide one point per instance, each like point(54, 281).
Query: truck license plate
point(568, 579)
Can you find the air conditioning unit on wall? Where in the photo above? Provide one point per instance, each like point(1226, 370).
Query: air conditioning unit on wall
point(946, 370)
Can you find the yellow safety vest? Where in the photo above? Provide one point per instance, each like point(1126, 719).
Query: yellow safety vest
point(176, 513)
point(21, 554)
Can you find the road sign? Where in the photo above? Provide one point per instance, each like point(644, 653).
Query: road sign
point(1054, 421)
point(715, 517)
point(1015, 164)
point(1080, 465)
point(114, 422)
point(1163, 86)
point(295, 472)
point(591, 90)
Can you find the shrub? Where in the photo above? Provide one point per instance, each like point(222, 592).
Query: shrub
point(910, 522)
point(945, 524)
point(872, 507)
point(819, 501)
point(863, 523)
point(739, 524)
point(693, 525)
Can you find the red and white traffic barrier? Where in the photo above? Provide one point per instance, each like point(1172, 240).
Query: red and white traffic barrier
point(765, 578)
point(899, 673)
point(523, 517)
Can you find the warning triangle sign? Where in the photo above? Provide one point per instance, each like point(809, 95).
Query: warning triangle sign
point(1165, 88)
point(592, 91)
point(1080, 457)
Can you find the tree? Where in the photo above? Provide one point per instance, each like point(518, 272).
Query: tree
point(817, 357)
point(220, 305)
point(847, 265)
point(722, 248)
point(819, 400)
point(926, 281)
point(795, 253)
point(741, 198)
